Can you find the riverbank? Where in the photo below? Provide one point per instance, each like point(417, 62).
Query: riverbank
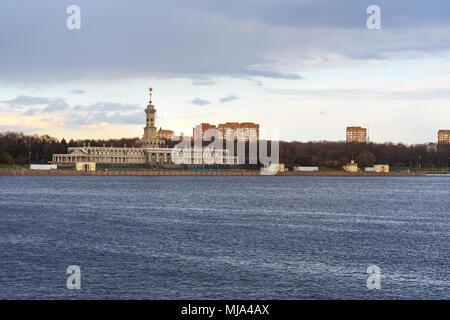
point(200, 173)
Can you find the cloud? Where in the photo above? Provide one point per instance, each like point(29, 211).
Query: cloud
point(77, 91)
point(265, 38)
point(80, 114)
point(31, 88)
point(31, 112)
point(228, 98)
point(118, 118)
point(401, 92)
point(76, 119)
point(56, 106)
point(200, 102)
point(23, 100)
point(273, 74)
point(108, 106)
point(40, 104)
point(203, 83)
point(102, 112)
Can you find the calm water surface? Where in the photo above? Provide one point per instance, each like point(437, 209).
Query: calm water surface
point(224, 237)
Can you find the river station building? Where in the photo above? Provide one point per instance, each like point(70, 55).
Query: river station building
point(149, 150)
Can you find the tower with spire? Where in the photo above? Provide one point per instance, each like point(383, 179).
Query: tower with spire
point(150, 138)
point(150, 128)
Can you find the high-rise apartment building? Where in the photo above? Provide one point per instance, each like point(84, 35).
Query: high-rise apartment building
point(165, 134)
point(356, 134)
point(444, 137)
point(204, 131)
point(245, 131)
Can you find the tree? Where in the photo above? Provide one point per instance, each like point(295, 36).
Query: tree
point(366, 159)
point(65, 145)
point(6, 159)
point(303, 160)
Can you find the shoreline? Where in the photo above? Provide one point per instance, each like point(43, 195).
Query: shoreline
point(202, 173)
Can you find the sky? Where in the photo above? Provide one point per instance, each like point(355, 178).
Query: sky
point(303, 69)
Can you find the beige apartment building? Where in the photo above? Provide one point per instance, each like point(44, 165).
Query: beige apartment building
point(204, 131)
point(444, 137)
point(356, 134)
point(164, 134)
point(245, 131)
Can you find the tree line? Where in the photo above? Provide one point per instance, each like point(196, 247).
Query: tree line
point(336, 154)
point(18, 148)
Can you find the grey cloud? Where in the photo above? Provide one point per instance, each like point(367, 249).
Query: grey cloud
point(23, 100)
point(82, 114)
point(56, 106)
point(77, 91)
point(116, 118)
point(203, 83)
point(208, 38)
point(342, 14)
point(273, 74)
point(31, 111)
point(228, 98)
point(200, 102)
point(401, 93)
point(48, 104)
point(134, 118)
point(108, 106)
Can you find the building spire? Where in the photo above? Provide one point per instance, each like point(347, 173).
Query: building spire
point(150, 91)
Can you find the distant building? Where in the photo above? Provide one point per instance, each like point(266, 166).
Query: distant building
point(444, 137)
point(381, 168)
point(272, 169)
point(378, 168)
point(106, 155)
point(164, 134)
point(43, 167)
point(305, 169)
point(245, 131)
point(432, 147)
point(204, 131)
point(356, 134)
point(85, 166)
point(351, 167)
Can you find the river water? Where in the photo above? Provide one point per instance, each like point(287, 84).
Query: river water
point(206, 237)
